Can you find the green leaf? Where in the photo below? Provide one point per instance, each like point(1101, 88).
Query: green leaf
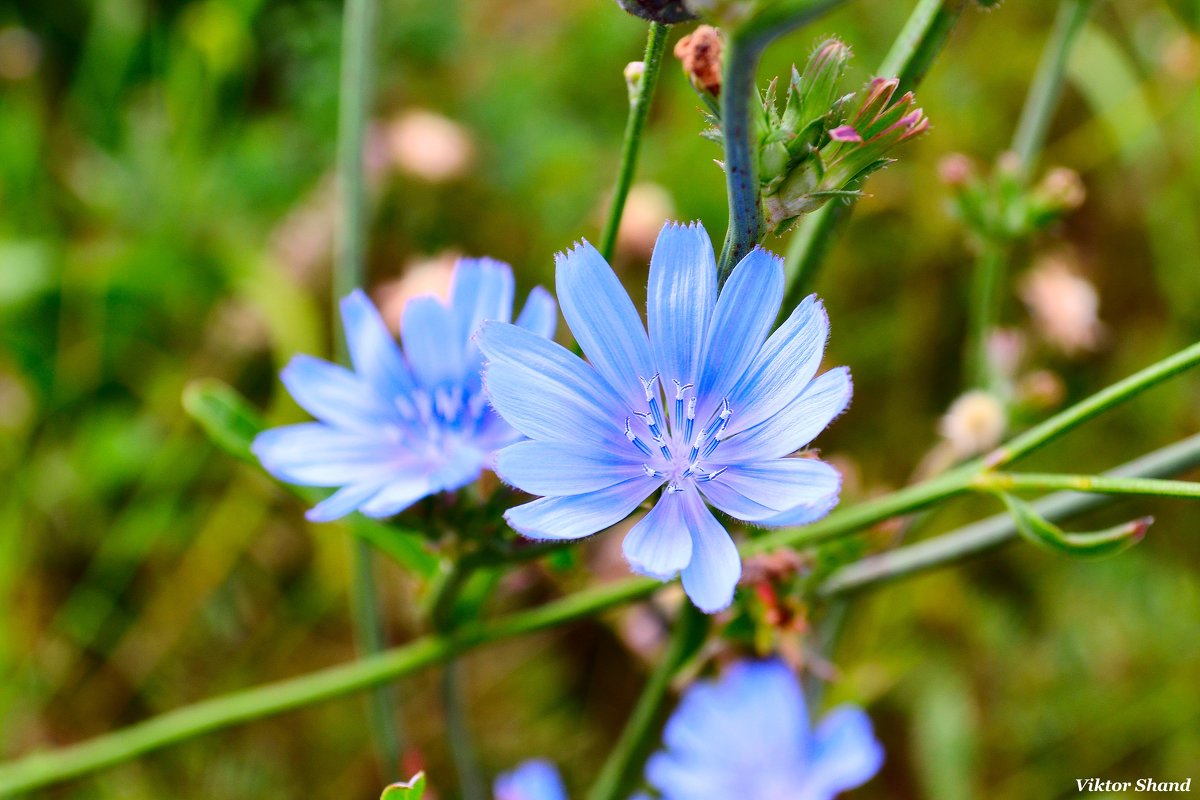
point(228, 419)
point(1093, 544)
point(413, 789)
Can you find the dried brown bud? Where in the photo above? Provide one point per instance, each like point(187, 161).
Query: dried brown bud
point(700, 52)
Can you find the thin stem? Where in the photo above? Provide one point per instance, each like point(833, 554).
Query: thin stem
point(920, 41)
point(348, 275)
point(639, 109)
point(741, 155)
point(869, 513)
point(442, 616)
point(984, 310)
point(918, 44)
point(620, 767)
point(382, 702)
point(987, 534)
point(1093, 484)
point(1103, 400)
point(471, 782)
point(1046, 88)
point(353, 100)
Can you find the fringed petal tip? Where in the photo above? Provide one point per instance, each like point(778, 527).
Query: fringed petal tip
point(578, 246)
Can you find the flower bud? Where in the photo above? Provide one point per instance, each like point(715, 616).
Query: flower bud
point(700, 53)
point(812, 95)
point(666, 12)
point(852, 149)
point(956, 170)
point(1041, 390)
point(1061, 190)
point(1064, 306)
point(634, 71)
point(974, 423)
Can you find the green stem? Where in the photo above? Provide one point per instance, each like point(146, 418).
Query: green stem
point(471, 782)
point(1046, 88)
point(354, 97)
point(1103, 400)
point(984, 311)
point(1092, 484)
point(382, 703)
point(863, 515)
point(918, 44)
point(620, 767)
point(442, 616)
point(987, 534)
point(348, 275)
point(635, 125)
point(920, 41)
point(48, 768)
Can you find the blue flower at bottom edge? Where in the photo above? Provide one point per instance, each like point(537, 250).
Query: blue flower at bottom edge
point(403, 424)
point(747, 736)
point(536, 779)
point(706, 407)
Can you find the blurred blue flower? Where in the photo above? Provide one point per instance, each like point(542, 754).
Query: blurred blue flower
point(747, 736)
point(706, 405)
point(533, 780)
point(402, 425)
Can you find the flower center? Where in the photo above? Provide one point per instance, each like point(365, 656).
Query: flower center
point(679, 450)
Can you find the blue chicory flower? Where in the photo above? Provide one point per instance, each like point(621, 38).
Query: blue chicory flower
point(402, 425)
point(706, 405)
point(747, 735)
point(536, 779)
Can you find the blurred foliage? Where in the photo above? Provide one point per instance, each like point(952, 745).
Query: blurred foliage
point(164, 180)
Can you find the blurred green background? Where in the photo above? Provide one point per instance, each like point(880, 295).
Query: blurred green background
point(166, 215)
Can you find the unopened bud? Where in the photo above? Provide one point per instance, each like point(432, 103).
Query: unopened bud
point(1041, 390)
point(1061, 189)
point(1005, 348)
point(634, 71)
point(666, 12)
point(956, 170)
point(813, 93)
point(1064, 305)
point(974, 423)
point(700, 53)
point(1008, 163)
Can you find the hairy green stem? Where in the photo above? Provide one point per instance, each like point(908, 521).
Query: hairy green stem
point(630, 750)
point(348, 275)
point(743, 50)
point(741, 155)
point(1046, 88)
point(635, 125)
point(917, 45)
point(1081, 412)
point(982, 536)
